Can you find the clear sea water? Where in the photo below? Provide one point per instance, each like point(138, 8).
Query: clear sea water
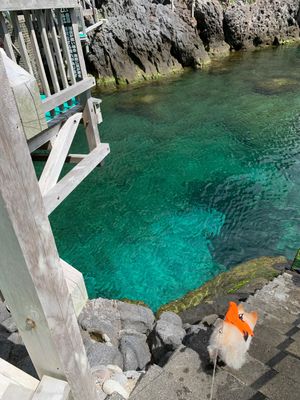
point(204, 173)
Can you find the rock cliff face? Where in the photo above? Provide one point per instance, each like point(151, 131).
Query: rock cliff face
point(143, 39)
point(264, 22)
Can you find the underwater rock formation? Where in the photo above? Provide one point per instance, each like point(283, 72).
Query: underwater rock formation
point(144, 39)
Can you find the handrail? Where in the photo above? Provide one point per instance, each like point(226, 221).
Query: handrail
point(16, 5)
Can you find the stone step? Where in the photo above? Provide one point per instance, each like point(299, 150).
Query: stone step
point(185, 378)
point(151, 375)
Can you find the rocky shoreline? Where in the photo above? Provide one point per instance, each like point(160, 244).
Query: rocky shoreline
point(147, 39)
point(123, 340)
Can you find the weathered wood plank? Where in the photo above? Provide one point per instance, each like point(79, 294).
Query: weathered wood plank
point(78, 44)
point(66, 51)
point(67, 94)
point(22, 46)
point(58, 51)
point(95, 26)
point(17, 376)
point(37, 53)
point(7, 39)
point(76, 286)
point(10, 390)
point(52, 389)
point(32, 279)
point(37, 141)
point(70, 181)
point(90, 121)
point(47, 50)
point(60, 148)
point(15, 5)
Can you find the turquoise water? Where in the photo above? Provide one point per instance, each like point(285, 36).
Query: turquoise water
point(204, 173)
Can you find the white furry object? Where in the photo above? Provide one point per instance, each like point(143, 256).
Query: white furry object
point(228, 342)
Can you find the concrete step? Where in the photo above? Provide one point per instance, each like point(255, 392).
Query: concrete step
point(152, 374)
point(185, 378)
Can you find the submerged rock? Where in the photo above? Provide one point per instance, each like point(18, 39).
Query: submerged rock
point(276, 86)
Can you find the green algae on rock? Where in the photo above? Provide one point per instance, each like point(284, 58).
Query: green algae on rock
point(277, 85)
point(296, 262)
point(228, 282)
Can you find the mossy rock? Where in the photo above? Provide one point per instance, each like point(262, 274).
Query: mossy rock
point(228, 282)
point(296, 262)
point(136, 302)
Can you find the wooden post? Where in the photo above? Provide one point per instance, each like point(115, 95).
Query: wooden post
point(193, 8)
point(32, 280)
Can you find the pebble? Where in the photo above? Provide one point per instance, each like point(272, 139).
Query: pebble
point(110, 386)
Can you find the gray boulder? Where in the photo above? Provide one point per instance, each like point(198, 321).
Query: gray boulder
point(4, 314)
point(167, 335)
point(102, 317)
point(10, 325)
point(169, 329)
point(138, 318)
point(102, 354)
point(135, 351)
point(5, 348)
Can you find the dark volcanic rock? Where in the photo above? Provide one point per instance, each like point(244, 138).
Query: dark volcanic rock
point(264, 22)
point(209, 16)
point(142, 39)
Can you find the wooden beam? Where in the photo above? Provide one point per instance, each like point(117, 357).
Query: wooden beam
point(15, 5)
point(32, 279)
point(90, 121)
point(70, 181)
point(70, 159)
point(10, 390)
point(77, 41)
point(22, 47)
point(17, 376)
point(52, 389)
point(60, 148)
point(95, 26)
point(64, 95)
point(8, 46)
point(57, 49)
point(47, 50)
point(65, 46)
point(76, 286)
point(37, 53)
point(39, 140)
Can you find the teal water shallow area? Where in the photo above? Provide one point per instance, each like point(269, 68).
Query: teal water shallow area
point(204, 173)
